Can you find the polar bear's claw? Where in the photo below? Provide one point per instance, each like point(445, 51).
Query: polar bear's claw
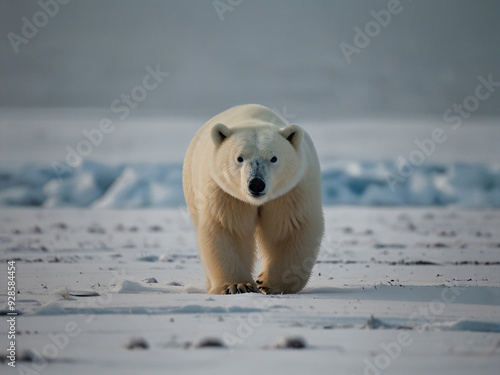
point(264, 289)
point(241, 288)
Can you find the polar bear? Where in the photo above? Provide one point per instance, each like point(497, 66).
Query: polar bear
point(252, 185)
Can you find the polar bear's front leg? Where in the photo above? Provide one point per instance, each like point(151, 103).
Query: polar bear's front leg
point(228, 259)
point(288, 262)
point(289, 234)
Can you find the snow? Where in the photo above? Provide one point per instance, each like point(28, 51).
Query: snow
point(107, 267)
point(110, 280)
point(134, 168)
point(151, 185)
point(423, 282)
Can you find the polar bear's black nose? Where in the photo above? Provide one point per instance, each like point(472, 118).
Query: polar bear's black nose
point(256, 186)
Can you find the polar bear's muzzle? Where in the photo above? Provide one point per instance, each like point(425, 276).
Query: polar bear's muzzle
point(256, 186)
point(257, 174)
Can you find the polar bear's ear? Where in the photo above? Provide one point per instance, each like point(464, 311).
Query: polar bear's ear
point(219, 133)
point(293, 134)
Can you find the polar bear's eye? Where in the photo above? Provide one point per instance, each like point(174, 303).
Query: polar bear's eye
point(240, 159)
point(274, 159)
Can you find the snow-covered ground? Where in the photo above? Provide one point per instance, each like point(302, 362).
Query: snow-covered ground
point(391, 288)
point(399, 289)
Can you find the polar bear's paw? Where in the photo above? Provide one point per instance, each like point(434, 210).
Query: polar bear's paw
point(240, 288)
point(268, 285)
point(264, 286)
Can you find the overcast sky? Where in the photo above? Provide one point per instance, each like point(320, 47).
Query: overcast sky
point(286, 53)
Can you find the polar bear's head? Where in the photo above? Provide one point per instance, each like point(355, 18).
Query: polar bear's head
point(259, 163)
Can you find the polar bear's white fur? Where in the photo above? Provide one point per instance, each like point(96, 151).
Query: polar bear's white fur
point(253, 183)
